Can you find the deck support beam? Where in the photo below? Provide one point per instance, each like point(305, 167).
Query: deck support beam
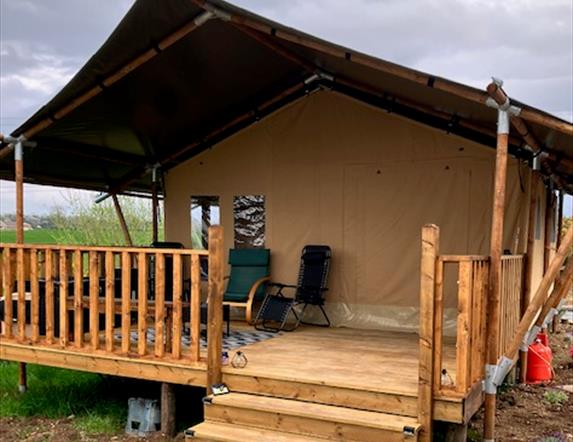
point(496, 247)
point(168, 409)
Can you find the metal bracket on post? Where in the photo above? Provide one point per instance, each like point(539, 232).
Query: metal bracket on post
point(529, 338)
point(495, 374)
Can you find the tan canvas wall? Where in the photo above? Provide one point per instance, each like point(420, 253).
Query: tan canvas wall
point(335, 171)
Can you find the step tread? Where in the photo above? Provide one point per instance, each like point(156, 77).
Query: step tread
point(217, 431)
point(370, 419)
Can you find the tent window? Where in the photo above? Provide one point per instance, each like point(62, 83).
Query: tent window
point(249, 216)
point(204, 213)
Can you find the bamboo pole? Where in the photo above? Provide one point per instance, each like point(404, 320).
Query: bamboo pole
point(430, 252)
point(496, 247)
point(526, 293)
point(215, 308)
point(121, 218)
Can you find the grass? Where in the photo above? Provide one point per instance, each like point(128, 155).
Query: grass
point(98, 403)
point(35, 236)
point(555, 397)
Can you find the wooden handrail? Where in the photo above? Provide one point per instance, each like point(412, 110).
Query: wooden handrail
point(68, 289)
point(115, 249)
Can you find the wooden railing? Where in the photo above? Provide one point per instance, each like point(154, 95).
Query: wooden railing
point(472, 283)
point(124, 301)
point(512, 267)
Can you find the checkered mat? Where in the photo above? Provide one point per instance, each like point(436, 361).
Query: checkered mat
point(235, 339)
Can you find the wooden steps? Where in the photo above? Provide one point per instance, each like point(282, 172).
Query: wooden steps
point(219, 432)
point(295, 420)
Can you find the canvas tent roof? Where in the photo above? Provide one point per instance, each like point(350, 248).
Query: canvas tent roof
point(177, 100)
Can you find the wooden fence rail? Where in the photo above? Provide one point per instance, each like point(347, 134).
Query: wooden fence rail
point(112, 299)
point(512, 267)
point(472, 278)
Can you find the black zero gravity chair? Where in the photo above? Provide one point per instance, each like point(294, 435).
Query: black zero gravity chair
point(310, 289)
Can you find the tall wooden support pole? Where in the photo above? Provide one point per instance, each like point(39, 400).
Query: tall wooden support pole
point(526, 294)
point(496, 247)
point(559, 227)
point(154, 205)
point(430, 252)
point(548, 229)
point(215, 307)
point(122, 222)
point(19, 175)
point(155, 212)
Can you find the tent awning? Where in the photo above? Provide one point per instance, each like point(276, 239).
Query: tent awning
point(177, 76)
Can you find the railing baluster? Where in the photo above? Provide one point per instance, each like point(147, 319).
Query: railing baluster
point(177, 306)
point(49, 277)
point(159, 304)
point(34, 296)
point(21, 290)
point(463, 326)
point(109, 300)
point(94, 299)
point(7, 282)
point(63, 298)
point(125, 301)
point(475, 368)
point(195, 308)
point(438, 323)
point(78, 299)
point(142, 275)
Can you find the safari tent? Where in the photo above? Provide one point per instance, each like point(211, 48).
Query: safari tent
point(442, 222)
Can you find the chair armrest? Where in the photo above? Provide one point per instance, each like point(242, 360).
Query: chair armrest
point(255, 287)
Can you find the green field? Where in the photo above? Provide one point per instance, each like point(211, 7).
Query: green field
point(36, 236)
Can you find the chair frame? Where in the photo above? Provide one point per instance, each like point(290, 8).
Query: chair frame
point(248, 304)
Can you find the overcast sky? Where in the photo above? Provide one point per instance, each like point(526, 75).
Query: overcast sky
point(527, 43)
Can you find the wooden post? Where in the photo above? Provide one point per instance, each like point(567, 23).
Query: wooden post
point(496, 247)
point(559, 227)
point(215, 307)
point(195, 310)
point(548, 228)
point(526, 293)
point(168, 409)
point(154, 206)
point(430, 252)
point(122, 222)
point(19, 176)
point(559, 290)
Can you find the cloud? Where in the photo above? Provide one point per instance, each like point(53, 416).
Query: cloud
point(528, 43)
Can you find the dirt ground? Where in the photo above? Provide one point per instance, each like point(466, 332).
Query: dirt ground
point(36, 429)
point(524, 412)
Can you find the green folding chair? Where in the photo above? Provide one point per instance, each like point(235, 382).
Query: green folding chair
point(250, 271)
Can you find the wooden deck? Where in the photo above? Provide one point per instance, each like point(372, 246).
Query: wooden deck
point(362, 369)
